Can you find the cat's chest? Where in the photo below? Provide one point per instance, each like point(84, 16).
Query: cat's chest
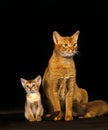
point(62, 89)
point(33, 97)
point(63, 70)
point(62, 64)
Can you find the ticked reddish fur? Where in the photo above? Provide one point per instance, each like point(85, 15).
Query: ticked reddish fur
point(59, 79)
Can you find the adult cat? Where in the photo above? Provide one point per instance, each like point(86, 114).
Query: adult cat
point(59, 79)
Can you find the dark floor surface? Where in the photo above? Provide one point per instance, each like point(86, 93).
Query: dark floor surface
point(14, 120)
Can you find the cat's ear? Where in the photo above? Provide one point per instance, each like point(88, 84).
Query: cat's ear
point(56, 37)
point(23, 81)
point(76, 35)
point(38, 80)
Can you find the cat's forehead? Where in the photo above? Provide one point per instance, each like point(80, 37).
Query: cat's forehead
point(31, 81)
point(67, 39)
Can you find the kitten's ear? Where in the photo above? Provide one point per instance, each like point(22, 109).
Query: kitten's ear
point(76, 35)
point(56, 37)
point(23, 81)
point(38, 80)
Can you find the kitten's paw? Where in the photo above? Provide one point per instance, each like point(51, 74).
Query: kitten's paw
point(68, 118)
point(38, 119)
point(31, 119)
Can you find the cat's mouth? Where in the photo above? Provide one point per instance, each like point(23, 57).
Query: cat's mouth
point(31, 92)
point(68, 55)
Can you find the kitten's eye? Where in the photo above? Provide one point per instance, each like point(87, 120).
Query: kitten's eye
point(65, 45)
point(33, 85)
point(27, 86)
point(75, 44)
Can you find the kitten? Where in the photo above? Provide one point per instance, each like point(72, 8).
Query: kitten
point(59, 79)
point(33, 105)
point(91, 109)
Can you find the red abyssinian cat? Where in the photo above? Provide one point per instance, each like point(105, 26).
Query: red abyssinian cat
point(33, 105)
point(59, 79)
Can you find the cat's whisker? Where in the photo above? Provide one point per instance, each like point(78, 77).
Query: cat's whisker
point(77, 53)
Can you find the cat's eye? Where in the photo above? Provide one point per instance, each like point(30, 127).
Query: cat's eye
point(33, 85)
point(75, 44)
point(27, 86)
point(65, 44)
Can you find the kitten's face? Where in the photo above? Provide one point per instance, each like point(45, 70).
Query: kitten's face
point(31, 86)
point(66, 46)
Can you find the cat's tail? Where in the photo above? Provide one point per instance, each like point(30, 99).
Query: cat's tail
point(51, 116)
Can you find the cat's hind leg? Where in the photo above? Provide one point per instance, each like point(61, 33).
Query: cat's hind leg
point(89, 114)
point(84, 95)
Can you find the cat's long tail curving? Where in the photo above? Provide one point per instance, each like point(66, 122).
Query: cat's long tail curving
point(51, 116)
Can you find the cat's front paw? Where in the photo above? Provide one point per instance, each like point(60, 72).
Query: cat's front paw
point(68, 118)
point(38, 118)
point(31, 119)
point(59, 116)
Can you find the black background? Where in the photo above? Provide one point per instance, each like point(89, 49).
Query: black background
point(26, 45)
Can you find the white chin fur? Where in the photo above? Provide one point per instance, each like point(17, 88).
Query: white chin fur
point(68, 55)
point(33, 97)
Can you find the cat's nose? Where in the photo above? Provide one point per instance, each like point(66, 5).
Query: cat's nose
point(30, 89)
point(70, 51)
